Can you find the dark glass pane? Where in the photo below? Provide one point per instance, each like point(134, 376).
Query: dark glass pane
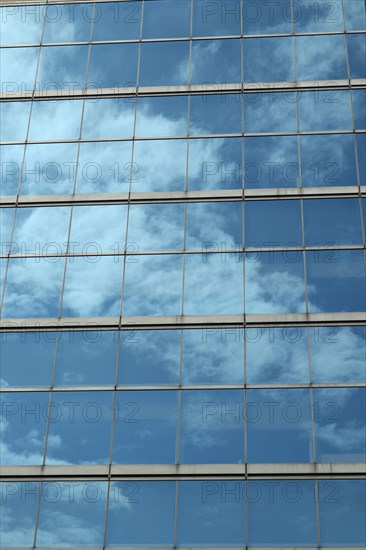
point(156, 226)
point(357, 54)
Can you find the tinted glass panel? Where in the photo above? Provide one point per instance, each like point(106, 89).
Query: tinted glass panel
point(355, 15)
point(318, 17)
point(68, 23)
point(23, 423)
point(80, 428)
point(27, 358)
point(320, 57)
point(267, 18)
point(18, 69)
point(19, 503)
point(11, 160)
point(279, 426)
point(55, 120)
point(21, 26)
point(145, 430)
point(11, 111)
point(164, 63)
point(216, 18)
point(108, 118)
point(359, 106)
point(215, 114)
point(162, 116)
point(357, 53)
point(212, 427)
point(113, 66)
point(270, 112)
point(62, 67)
point(325, 110)
point(216, 61)
point(115, 21)
point(268, 60)
point(165, 224)
point(166, 19)
point(141, 513)
point(90, 232)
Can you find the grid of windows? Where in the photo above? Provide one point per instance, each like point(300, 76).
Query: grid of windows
point(195, 169)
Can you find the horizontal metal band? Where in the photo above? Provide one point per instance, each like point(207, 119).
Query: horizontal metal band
point(215, 195)
point(196, 89)
point(182, 321)
point(175, 471)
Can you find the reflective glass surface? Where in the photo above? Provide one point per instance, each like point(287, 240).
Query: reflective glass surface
point(11, 111)
point(18, 68)
point(22, 25)
point(53, 120)
point(19, 502)
point(164, 63)
point(361, 146)
point(27, 359)
point(156, 226)
point(268, 60)
point(279, 426)
point(161, 347)
point(270, 112)
point(336, 280)
point(11, 161)
point(339, 416)
point(275, 282)
point(6, 224)
point(80, 428)
point(166, 19)
point(113, 66)
point(68, 23)
point(141, 513)
point(357, 52)
point(115, 21)
point(321, 57)
point(267, 18)
point(145, 430)
point(23, 425)
point(215, 114)
point(108, 118)
point(162, 116)
point(325, 110)
point(62, 67)
point(90, 233)
point(216, 61)
point(355, 15)
point(359, 106)
point(216, 18)
point(86, 358)
point(212, 427)
point(318, 17)
point(271, 162)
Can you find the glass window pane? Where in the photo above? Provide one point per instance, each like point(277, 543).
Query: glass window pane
point(23, 423)
point(108, 118)
point(321, 57)
point(215, 114)
point(269, 502)
point(338, 354)
point(159, 165)
point(115, 21)
point(357, 53)
point(18, 69)
point(19, 503)
point(141, 513)
point(279, 426)
point(216, 18)
point(21, 25)
point(332, 222)
point(93, 285)
point(153, 285)
point(270, 112)
point(162, 116)
point(336, 280)
point(113, 66)
point(340, 424)
point(210, 225)
point(80, 428)
point(166, 19)
point(27, 358)
point(325, 110)
point(268, 60)
point(145, 430)
point(33, 287)
point(318, 16)
point(342, 508)
point(273, 223)
point(6, 225)
point(275, 282)
point(164, 63)
point(212, 427)
point(68, 23)
point(361, 147)
point(91, 233)
point(275, 355)
point(215, 163)
point(211, 513)
point(72, 513)
point(86, 358)
point(104, 167)
point(216, 61)
point(165, 223)
point(52, 120)
point(11, 161)
point(49, 169)
point(29, 232)
point(355, 15)
point(10, 111)
point(161, 347)
point(62, 67)
point(267, 18)
point(213, 356)
point(271, 162)
point(328, 160)
point(206, 291)
point(359, 106)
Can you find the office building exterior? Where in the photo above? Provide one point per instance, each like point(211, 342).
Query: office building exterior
point(183, 274)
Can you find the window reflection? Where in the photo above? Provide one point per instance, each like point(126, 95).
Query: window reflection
point(68, 23)
point(23, 423)
point(108, 118)
point(270, 112)
point(164, 63)
point(18, 69)
point(162, 116)
point(11, 159)
point(215, 114)
point(267, 18)
point(268, 60)
point(113, 66)
point(10, 111)
point(62, 67)
point(357, 51)
point(115, 21)
point(166, 19)
point(19, 509)
point(21, 26)
point(53, 120)
point(319, 17)
point(156, 226)
point(325, 110)
point(359, 105)
point(216, 18)
point(145, 430)
point(212, 427)
point(216, 61)
point(321, 57)
point(90, 232)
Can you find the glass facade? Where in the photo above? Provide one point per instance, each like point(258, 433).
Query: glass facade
point(182, 290)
